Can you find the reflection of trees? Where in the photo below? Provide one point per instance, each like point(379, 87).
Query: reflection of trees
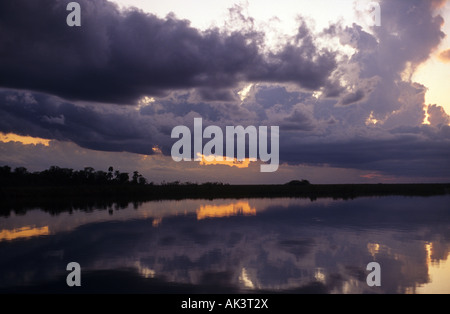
point(57, 206)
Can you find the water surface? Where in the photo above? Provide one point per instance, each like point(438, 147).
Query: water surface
point(241, 246)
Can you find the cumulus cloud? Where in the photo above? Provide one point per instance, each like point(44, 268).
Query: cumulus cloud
point(437, 115)
point(89, 126)
point(378, 75)
point(118, 56)
point(444, 56)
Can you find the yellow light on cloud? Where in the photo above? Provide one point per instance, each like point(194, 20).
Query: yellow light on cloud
point(371, 120)
point(26, 140)
point(218, 160)
point(243, 94)
point(156, 150)
point(435, 72)
point(427, 116)
point(373, 248)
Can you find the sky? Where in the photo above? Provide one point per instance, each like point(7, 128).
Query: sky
point(355, 102)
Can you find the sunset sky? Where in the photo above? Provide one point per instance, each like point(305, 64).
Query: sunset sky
point(355, 103)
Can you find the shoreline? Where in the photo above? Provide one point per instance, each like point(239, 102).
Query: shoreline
point(28, 196)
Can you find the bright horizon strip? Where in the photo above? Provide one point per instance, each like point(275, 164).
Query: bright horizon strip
point(25, 140)
point(218, 160)
point(435, 73)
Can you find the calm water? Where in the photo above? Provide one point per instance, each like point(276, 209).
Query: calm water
point(248, 245)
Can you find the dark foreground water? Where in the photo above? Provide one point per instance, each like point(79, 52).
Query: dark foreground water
point(237, 246)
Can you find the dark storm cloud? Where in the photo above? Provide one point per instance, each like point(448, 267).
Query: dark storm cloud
point(108, 128)
point(404, 151)
point(353, 97)
point(117, 56)
point(419, 152)
point(299, 120)
point(209, 94)
point(44, 116)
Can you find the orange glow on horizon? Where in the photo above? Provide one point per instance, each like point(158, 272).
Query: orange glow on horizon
point(25, 140)
point(219, 211)
point(156, 150)
point(215, 160)
point(23, 232)
point(377, 176)
point(371, 176)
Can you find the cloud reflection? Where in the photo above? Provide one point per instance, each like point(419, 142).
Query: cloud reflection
point(23, 232)
point(290, 246)
point(227, 210)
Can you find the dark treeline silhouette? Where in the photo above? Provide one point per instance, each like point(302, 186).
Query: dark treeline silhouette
point(56, 176)
point(59, 189)
point(61, 177)
point(298, 182)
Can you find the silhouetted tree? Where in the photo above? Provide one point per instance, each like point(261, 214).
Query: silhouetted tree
point(135, 177)
point(298, 182)
point(123, 178)
point(20, 171)
point(110, 173)
point(101, 177)
point(5, 175)
point(89, 175)
point(5, 170)
point(56, 176)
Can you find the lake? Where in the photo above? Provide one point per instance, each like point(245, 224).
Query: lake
point(279, 245)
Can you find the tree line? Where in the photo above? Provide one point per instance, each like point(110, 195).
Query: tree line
point(56, 176)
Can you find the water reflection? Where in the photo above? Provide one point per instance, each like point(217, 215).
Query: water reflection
point(251, 245)
point(23, 232)
point(225, 210)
